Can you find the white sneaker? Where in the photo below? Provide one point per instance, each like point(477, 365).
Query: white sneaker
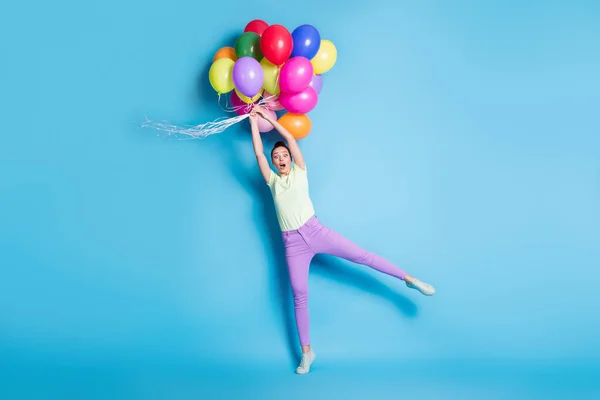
point(307, 360)
point(422, 287)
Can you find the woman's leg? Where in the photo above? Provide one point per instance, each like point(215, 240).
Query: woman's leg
point(298, 256)
point(298, 267)
point(331, 242)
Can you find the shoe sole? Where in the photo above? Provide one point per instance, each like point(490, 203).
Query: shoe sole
point(420, 291)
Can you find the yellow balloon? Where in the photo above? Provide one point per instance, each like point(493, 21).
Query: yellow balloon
point(247, 99)
point(271, 72)
point(325, 58)
point(221, 75)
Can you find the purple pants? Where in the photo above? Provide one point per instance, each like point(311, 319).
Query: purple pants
point(313, 238)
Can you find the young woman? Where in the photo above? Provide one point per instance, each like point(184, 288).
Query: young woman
point(303, 234)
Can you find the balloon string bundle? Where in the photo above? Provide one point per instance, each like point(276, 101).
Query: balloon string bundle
point(201, 131)
point(269, 67)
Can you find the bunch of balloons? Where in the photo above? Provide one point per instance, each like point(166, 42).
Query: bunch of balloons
point(275, 68)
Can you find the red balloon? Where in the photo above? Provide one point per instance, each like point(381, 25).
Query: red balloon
point(276, 44)
point(257, 26)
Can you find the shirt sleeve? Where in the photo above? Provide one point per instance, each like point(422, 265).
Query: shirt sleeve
point(297, 169)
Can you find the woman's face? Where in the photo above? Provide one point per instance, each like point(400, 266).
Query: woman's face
point(281, 160)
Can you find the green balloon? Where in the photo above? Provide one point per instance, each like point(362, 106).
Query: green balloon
point(248, 45)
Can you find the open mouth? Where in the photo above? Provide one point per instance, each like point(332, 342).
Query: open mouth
point(282, 166)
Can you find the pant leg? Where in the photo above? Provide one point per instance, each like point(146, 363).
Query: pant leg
point(331, 242)
point(298, 257)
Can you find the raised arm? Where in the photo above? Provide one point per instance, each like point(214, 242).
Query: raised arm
point(263, 163)
point(291, 141)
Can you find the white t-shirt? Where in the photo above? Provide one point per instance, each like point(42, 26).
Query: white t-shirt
point(292, 201)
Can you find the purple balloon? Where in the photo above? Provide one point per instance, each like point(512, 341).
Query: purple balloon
point(295, 75)
point(248, 76)
point(317, 83)
point(301, 102)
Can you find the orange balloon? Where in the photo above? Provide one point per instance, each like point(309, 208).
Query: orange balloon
point(299, 125)
point(225, 52)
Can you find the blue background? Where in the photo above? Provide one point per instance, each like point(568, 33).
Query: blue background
point(459, 139)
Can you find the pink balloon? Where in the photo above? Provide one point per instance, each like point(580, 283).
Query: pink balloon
point(264, 125)
point(295, 75)
point(240, 107)
point(272, 101)
point(301, 102)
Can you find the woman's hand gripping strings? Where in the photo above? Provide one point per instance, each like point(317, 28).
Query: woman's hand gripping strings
point(291, 141)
